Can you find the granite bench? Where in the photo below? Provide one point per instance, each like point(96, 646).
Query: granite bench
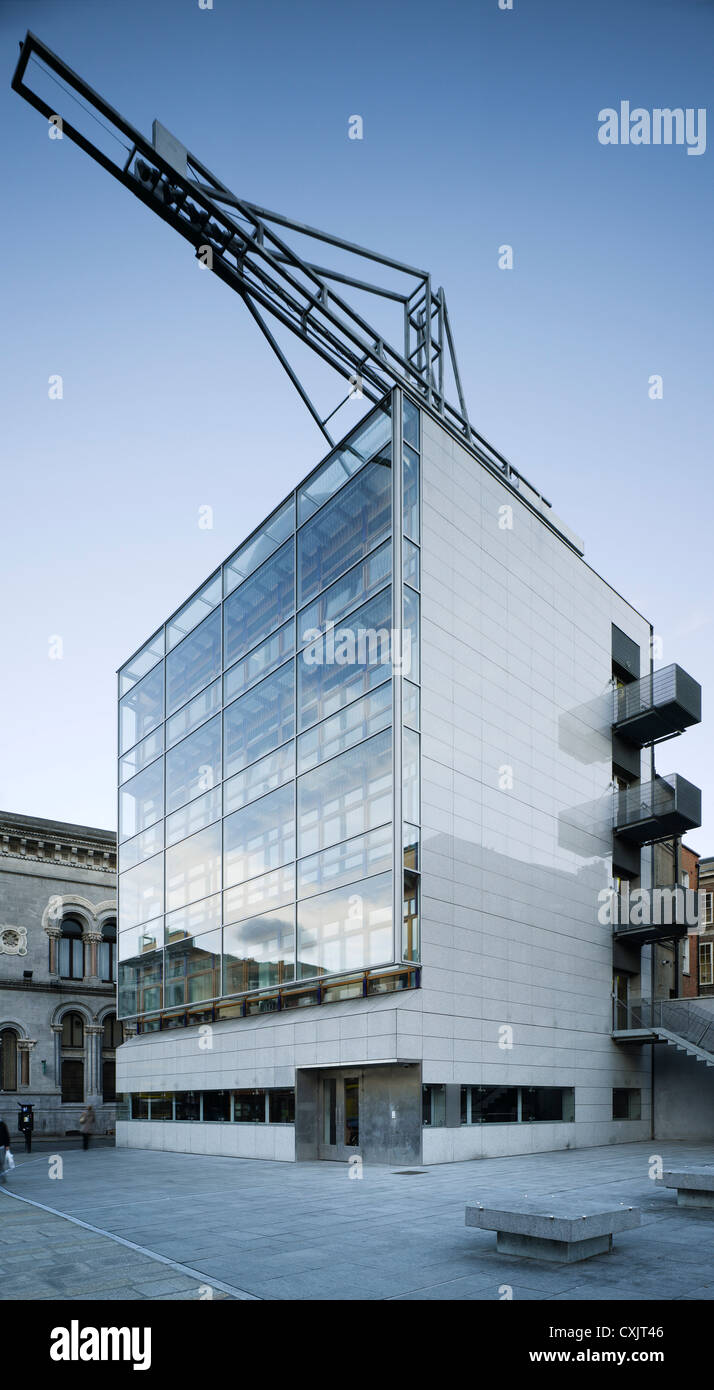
point(695, 1185)
point(562, 1229)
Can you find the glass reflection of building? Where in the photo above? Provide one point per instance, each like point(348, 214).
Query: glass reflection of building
point(269, 758)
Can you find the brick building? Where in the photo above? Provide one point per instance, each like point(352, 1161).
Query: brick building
point(705, 941)
point(676, 961)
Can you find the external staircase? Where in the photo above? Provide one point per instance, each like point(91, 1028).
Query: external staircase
point(679, 1023)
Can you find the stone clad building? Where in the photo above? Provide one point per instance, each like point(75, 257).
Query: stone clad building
point(359, 895)
point(58, 1028)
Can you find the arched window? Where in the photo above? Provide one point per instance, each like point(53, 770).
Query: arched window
point(71, 950)
point(72, 1062)
point(8, 1060)
point(107, 953)
point(73, 1030)
point(113, 1033)
point(112, 1038)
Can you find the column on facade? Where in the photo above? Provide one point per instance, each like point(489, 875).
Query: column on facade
point(57, 1030)
point(98, 1061)
point(24, 1048)
point(94, 1061)
point(94, 939)
point(54, 935)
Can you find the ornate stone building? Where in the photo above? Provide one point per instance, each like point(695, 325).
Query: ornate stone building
point(58, 1028)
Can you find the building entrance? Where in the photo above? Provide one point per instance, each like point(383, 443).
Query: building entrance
point(340, 1114)
point(370, 1111)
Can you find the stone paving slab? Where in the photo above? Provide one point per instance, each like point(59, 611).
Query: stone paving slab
point(34, 1264)
point(308, 1232)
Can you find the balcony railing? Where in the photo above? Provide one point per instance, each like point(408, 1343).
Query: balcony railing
point(684, 1017)
point(657, 810)
point(666, 702)
point(666, 913)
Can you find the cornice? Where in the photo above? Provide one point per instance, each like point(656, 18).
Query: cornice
point(47, 844)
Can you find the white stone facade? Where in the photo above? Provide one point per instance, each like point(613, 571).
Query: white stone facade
point(516, 811)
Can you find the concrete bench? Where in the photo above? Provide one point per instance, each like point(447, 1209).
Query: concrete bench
point(695, 1185)
point(562, 1229)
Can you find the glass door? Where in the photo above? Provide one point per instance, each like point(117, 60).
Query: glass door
point(351, 1107)
point(340, 1117)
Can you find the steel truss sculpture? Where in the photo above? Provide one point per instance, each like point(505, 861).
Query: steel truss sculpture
point(242, 244)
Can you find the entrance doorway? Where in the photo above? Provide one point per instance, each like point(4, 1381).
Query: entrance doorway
point(341, 1096)
point(371, 1111)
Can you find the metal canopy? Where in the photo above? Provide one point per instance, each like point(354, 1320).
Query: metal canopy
point(242, 244)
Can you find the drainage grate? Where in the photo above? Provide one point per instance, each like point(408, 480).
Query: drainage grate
point(408, 1172)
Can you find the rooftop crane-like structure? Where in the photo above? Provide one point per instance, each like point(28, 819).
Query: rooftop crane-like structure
point(246, 246)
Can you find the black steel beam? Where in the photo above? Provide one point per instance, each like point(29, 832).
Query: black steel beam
point(269, 274)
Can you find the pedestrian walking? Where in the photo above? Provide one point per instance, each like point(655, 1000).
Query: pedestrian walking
point(87, 1125)
point(4, 1151)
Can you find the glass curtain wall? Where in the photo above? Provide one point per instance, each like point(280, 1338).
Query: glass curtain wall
point(256, 749)
point(411, 681)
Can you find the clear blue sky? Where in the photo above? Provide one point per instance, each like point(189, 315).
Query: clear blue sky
point(480, 128)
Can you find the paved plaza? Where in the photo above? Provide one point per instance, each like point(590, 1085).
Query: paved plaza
point(177, 1226)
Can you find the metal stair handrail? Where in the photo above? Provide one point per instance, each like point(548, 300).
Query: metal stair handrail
point(693, 1024)
point(680, 1016)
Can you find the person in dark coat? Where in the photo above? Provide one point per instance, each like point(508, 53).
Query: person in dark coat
point(4, 1149)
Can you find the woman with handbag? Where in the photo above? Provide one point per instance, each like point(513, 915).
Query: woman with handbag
point(4, 1151)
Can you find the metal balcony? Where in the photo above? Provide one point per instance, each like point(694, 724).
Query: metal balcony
point(659, 705)
point(665, 913)
point(658, 810)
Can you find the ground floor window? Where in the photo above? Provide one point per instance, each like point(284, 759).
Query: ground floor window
point(72, 1081)
point(249, 1106)
point(216, 1105)
point(281, 1107)
point(547, 1103)
point(72, 1058)
point(109, 1079)
point(254, 1106)
point(112, 1038)
point(626, 1103)
point(8, 1060)
point(517, 1104)
point(489, 1105)
point(433, 1106)
point(188, 1105)
point(162, 1106)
